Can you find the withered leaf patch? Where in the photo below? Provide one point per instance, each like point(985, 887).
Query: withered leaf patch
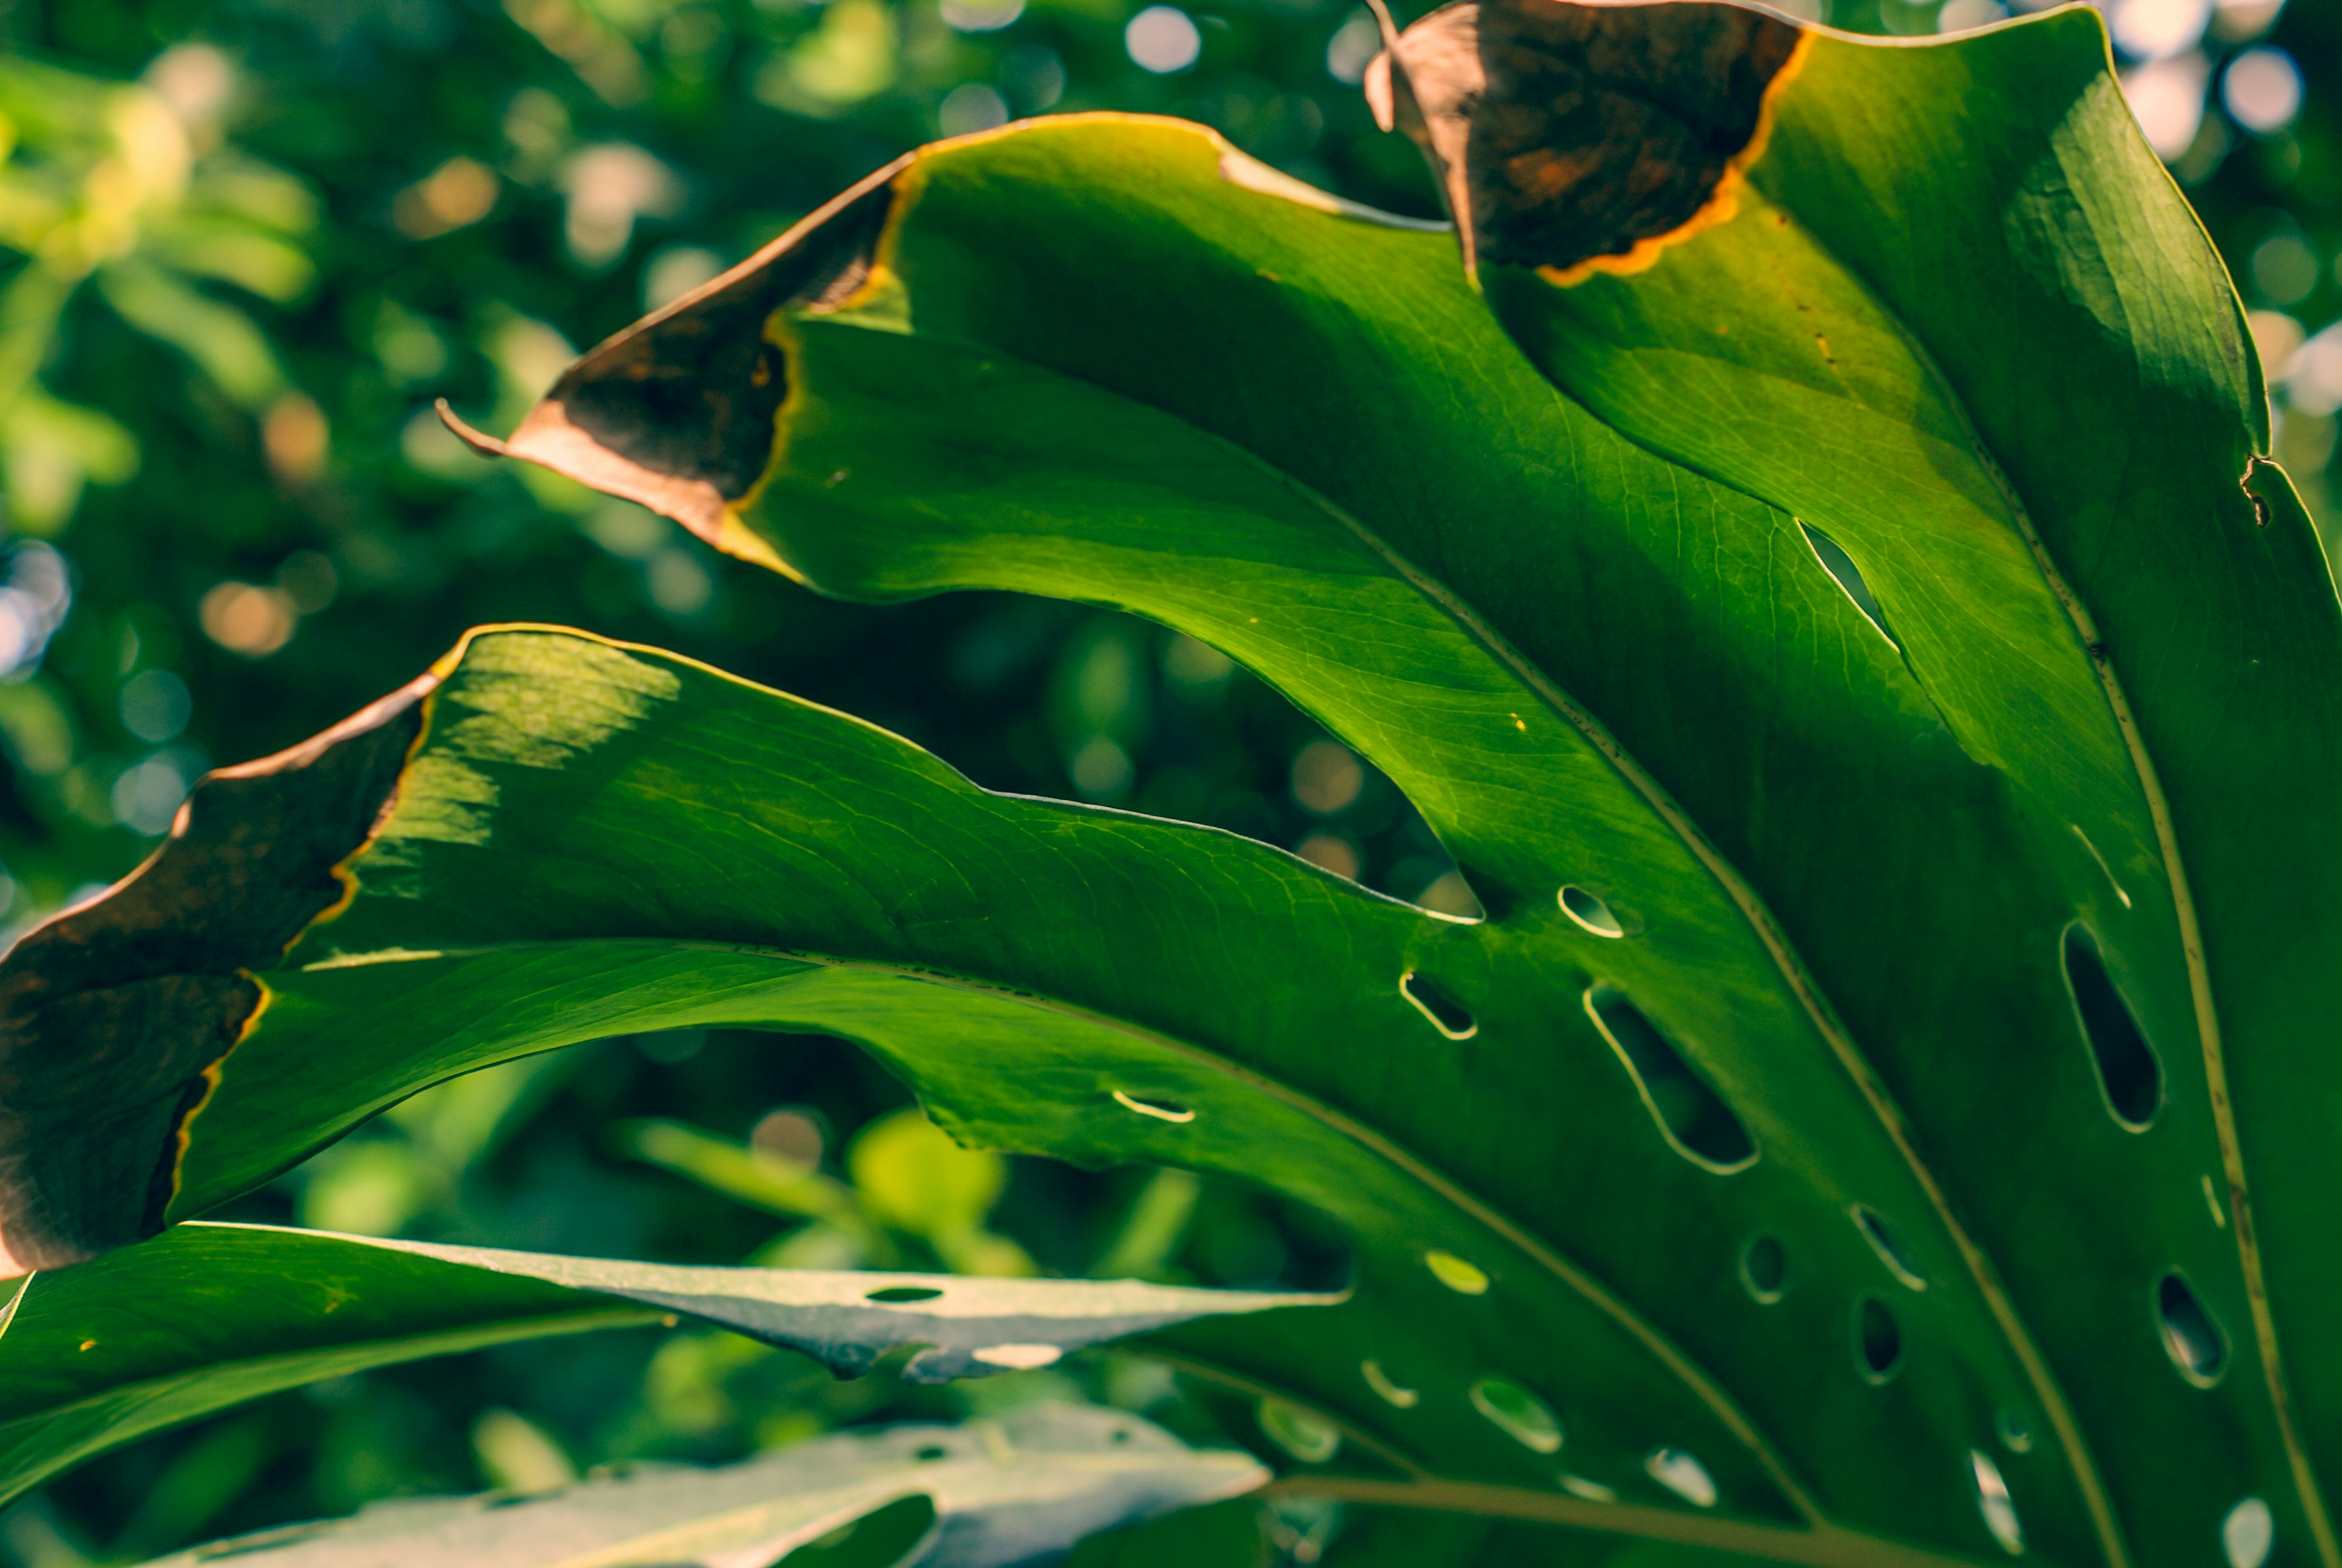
point(677, 412)
point(110, 1014)
point(1575, 138)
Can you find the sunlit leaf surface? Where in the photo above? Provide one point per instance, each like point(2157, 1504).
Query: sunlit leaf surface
point(1847, 634)
point(990, 1494)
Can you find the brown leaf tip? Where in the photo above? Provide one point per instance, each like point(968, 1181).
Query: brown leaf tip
point(678, 412)
point(111, 1013)
point(1582, 137)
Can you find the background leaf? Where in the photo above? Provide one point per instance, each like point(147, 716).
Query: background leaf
point(208, 1316)
point(1018, 1491)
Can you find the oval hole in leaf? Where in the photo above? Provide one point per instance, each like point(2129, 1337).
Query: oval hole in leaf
point(879, 1538)
point(1878, 1341)
point(1992, 1503)
point(892, 1294)
point(1161, 1110)
point(2127, 1070)
point(1848, 576)
point(1462, 1278)
point(2247, 1533)
point(1389, 1393)
point(1432, 1000)
point(2015, 1431)
point(1682, 1474)
point(1699, 1126)
point(1764, 1269)
point(2196, 1346)
point(1519, 1413)
point(1889, 1245)
point(1590, 912)
point(1303, 1433)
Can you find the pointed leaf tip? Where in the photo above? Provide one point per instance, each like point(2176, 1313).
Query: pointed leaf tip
point(479, 441)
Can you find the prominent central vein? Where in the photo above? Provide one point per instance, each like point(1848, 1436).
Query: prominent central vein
point(1817, 1008)
point(2094, 649)
point(2191, 944)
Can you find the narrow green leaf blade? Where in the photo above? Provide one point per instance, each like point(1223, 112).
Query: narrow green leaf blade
point(206, 1317)
point(1020, 1489)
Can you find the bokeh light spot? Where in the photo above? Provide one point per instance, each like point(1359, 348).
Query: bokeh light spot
point(2168, 98)
point(2262, 90)
point(971, 107)
point(1163, 39)
point(247, 619)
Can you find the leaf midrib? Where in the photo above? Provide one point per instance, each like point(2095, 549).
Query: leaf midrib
point(2084, 626)
point(1823, 1545)
point(1825, 1020)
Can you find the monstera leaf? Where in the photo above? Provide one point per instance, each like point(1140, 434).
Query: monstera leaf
point(1813, 564)
point(208, 1315)
point(991, 1494)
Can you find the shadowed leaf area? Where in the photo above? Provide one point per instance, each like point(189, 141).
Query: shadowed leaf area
point(1878, 1114)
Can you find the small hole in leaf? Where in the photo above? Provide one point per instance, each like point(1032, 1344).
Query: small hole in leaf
point(1764, 1269)
point(1889, 1244)
point(903, 1294)
point(1591, 1490)
point(931, 1453)
point(1519, 1413)
point(2247, 1533)
point(2196, 1346)
point(1020, 1356)
point(1161, 1110)
point(1590, 913)
point(1303, 1433)
point(1690, 1115)
point(1849, 577)
point(1389, 1393)
point(1462, 1278)
point(2127, 1070)
point(1431, 999)
point(1878, 1341)
point(2015, 1431)
point(1992, 1501)
point(1682, 1474)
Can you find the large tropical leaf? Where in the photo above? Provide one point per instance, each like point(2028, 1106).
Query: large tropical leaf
point(1002, 1494)
point(208, 1315)
point(1858, 654)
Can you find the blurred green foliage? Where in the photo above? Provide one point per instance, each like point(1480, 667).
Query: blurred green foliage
point(243, 245)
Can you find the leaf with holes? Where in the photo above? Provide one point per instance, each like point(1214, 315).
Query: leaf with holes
point(1001, 1494)
point(1813, 564)
point(208, 1315)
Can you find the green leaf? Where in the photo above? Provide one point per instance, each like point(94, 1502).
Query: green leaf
point(913, 1177)
point(738, 1172)
point(209, 1315)
point(1018, 1489)
point(1891, 760)
point(219, 338)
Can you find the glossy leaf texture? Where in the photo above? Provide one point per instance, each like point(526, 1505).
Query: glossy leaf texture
point(1021, 1489)
point(1876, 1121)
point(206, 1317)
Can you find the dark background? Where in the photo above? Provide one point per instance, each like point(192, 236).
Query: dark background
point(247, 242)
